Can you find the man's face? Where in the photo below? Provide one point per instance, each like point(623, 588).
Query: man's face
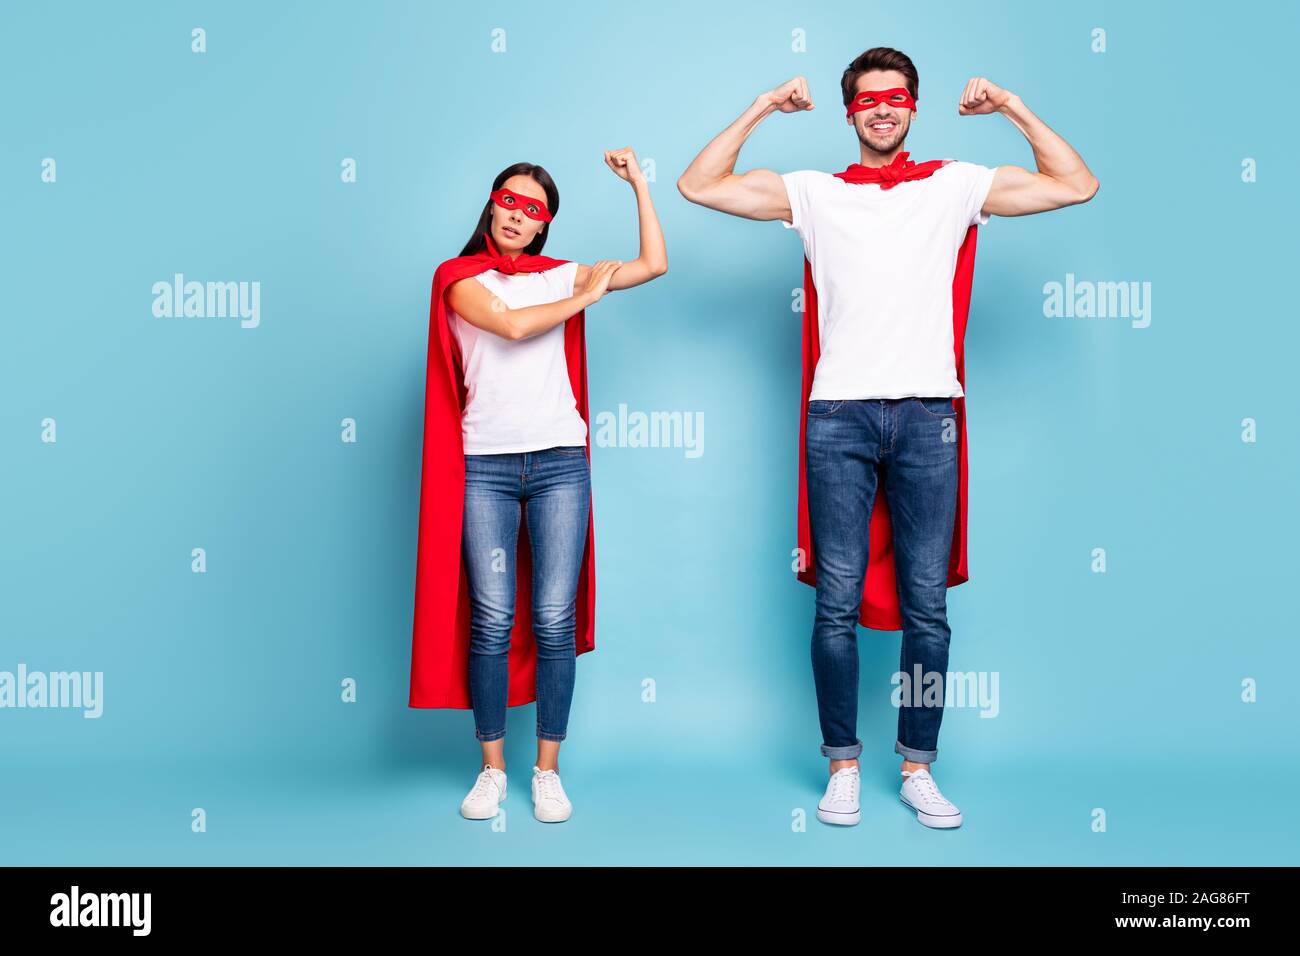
point(883, 127)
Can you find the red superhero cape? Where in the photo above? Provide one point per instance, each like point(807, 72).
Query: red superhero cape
point(440, 640)
point(880, 606)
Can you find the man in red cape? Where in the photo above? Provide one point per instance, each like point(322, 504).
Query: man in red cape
point(880, 608)
point(889, 252)
point(440, 642)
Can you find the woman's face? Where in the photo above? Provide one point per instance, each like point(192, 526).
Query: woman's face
point(512, 231)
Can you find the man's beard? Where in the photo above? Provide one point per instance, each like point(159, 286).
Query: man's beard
point(900, 134)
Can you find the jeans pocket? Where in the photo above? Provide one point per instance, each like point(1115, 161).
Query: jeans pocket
point(937, 407)
point(823, 407)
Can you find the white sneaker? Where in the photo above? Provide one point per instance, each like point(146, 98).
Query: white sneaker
point(839, 805)
point(484, 798)
point(922, 795)
point(550, 805)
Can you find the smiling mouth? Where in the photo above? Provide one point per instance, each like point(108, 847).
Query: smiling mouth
point(883, 126)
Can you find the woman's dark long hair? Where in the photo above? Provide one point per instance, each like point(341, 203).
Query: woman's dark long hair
point(477, 243)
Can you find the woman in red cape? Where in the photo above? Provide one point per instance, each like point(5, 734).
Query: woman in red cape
point(505, 573)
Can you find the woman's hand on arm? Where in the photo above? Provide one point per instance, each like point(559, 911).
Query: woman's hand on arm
point(652, 261)
point(472, 301)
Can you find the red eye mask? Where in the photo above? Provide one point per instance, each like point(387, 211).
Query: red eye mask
point(532, 208)
point(870, 99)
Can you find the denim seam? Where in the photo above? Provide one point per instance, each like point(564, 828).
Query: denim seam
point(922, 756)
point(942, 417)
point(836, 405)
point(855, 748)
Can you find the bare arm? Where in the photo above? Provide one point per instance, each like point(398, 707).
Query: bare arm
point(652, 261)
point(711, 180)
point(476, 305)
point(1062, 179)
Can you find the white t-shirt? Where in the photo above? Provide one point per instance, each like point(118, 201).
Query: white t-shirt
point(883, 262)
point(519, 397)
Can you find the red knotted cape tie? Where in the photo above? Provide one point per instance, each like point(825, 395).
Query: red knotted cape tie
point(900, 170)
point(500, 262)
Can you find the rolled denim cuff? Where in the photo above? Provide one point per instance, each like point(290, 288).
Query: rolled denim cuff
point(916, 756)
point(850, 752)
point(490, 736)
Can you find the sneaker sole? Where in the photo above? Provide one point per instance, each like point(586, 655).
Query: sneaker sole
point(478, 814)
point(550, 819)
point(949, 822)
point(839, 819)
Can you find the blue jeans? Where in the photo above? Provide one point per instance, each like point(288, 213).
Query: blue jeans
point(852, 447)
point(554, 488)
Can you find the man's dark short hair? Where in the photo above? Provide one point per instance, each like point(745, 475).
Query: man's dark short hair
point(879, 58)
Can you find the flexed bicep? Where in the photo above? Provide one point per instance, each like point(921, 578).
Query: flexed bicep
point(1062, 178)
point(758, 194)
point(1017, 191)
point(710, 180)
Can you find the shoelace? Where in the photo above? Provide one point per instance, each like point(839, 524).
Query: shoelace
point(548, 785)
point(841, 788)
point(484, 781)
point(931, 791)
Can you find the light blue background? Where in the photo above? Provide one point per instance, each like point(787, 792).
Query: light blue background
point(1118, 691)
